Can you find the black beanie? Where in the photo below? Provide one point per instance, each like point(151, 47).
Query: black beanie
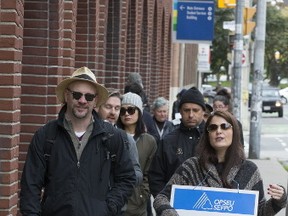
point(193, 95)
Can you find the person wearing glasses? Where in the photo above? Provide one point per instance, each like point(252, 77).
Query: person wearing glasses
point(131, 121)
point(180, 144)
point(146, 116)
point(77, 164)
point(220, 162)
point(110, 111)
point(221, 102)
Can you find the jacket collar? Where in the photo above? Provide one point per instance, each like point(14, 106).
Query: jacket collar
point(199, 128)
point(98, 126)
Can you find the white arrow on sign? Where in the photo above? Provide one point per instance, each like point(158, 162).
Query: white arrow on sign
point(182, 7)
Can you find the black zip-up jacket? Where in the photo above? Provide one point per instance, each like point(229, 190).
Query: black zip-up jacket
point(73, 187)
point(172, 151)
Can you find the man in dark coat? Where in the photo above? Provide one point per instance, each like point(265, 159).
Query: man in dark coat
point(178, 145)
point(77, 164)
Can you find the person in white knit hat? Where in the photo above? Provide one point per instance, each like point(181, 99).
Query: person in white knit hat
point(131, 121)
point(79, 160)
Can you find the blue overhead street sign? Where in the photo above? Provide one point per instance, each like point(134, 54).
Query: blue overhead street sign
point(195, 20)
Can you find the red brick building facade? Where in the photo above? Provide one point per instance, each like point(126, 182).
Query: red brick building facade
point(42, 42)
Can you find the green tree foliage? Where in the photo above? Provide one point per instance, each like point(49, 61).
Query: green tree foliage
point(220, 44)
point(276, 40)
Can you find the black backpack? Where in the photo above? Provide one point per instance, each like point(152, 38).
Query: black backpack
point(51, 133)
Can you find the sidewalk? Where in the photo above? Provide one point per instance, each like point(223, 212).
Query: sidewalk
point(272, 172)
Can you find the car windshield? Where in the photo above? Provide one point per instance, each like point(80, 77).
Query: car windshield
point(270, 93)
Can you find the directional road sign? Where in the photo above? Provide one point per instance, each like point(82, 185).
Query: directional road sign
point(195, 20)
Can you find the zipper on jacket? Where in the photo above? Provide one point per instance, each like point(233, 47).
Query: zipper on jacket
point(78, 164)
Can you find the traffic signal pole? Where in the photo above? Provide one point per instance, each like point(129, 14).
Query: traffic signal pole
point(256, 97)
point(237, 68)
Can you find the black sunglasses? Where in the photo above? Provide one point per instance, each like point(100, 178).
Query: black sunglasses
point(130, 110)
point(214, 127)
point(78, 95)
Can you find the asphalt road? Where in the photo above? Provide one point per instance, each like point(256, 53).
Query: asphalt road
point(274, 136)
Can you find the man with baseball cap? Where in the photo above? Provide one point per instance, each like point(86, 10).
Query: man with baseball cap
point(178, 145)
point(78, 161)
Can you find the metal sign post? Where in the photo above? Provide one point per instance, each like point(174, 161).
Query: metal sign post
point(237, 68)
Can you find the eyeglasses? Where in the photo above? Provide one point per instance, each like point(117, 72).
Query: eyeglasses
point(78, 95)
point(218, 107)
point(214, 127)
point(130, 110)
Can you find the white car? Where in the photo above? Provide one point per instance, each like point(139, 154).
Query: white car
point(206, 87)
point(284, 95)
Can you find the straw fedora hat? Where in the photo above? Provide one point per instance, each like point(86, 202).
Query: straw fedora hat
point(82, 74)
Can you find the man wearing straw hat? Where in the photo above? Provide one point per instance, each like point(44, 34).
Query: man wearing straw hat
point(77, 164)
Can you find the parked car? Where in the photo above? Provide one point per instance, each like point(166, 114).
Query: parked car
point(284, 95)
point(271, 100)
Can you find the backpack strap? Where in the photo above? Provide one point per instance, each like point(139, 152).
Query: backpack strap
point(110, 152)
point(51, 133)
point(109, 148)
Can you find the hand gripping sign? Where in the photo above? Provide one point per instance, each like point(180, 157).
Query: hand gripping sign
point(207, 201)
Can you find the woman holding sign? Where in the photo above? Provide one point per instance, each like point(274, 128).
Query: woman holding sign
point(221, 163)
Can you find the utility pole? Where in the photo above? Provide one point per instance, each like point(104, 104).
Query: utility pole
point(256, 98)
point(237, 68)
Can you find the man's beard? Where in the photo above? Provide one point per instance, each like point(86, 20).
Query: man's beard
point(79, 115)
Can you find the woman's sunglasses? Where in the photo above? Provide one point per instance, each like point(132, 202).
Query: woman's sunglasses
point(214, 127)
point(78, 95)
point(129, 110)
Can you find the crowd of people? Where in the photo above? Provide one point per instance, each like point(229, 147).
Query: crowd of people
point(107, 153)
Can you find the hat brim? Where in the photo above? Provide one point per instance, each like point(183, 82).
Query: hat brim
point(102, 93)
point(209, 107)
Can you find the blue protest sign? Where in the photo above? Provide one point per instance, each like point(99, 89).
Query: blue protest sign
point(214, 201)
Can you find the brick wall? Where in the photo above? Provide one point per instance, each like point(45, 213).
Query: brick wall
point(42, 61)
point(11, 36)
point(42, 42)
point(116, 33)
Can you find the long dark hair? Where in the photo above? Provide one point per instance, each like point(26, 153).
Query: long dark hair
point(234, 155)
point(140, 126)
